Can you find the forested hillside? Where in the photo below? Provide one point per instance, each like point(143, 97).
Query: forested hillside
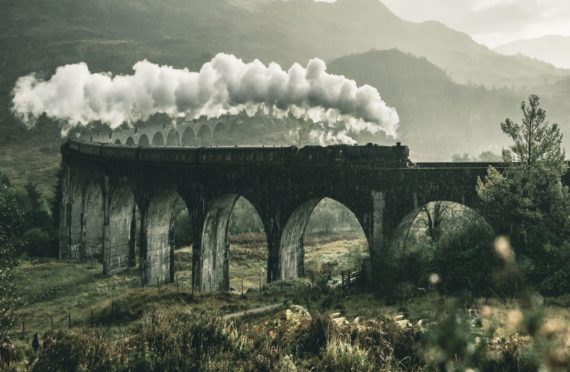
point(436, 111)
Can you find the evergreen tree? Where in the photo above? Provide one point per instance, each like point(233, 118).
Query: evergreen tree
point(536, 141)
point(528, 201)
point(11, 229)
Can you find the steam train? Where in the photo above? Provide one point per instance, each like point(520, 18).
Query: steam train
point(337, 155)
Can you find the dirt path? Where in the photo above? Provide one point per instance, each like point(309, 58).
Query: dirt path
point(256, 311)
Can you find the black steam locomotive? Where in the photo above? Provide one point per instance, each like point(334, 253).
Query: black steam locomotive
point(337, 155)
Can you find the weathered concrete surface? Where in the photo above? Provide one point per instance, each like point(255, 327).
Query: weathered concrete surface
point(291, 248)
point(284, 185)
point(93, 221)
point(118, 236)
point(159, 244)
point(215, 245)
point(76, 220)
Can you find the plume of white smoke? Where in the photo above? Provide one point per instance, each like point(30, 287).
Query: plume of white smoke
point(224, 86)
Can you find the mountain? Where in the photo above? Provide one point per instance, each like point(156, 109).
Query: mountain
point(554, 49)
point(37, 35)
point(439, 116)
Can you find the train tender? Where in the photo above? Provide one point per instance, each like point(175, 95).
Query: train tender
point(370, 156)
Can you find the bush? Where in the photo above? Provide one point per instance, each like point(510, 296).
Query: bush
point(182, 229)
point(37, 242)
point(555, 270)
point(312, 338)
point(166, 342)
point(8, 354)
point(464, 259)
point(452, 344)
point(341, 356)
point(76, 351)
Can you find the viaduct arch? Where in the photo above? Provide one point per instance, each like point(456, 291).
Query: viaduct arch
point(118, 201)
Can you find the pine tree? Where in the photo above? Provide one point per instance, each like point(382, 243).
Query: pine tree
point(536, 141)
point(528, 201)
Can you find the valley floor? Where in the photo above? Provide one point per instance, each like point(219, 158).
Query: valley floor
point(58, 295)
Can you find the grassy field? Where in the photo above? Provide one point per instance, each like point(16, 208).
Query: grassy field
point(37, 163)
point(248, 258)
point(61, 295)
point(52, 290)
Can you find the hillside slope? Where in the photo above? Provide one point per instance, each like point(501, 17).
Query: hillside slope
point(440, 117)
point(39, 35)
point(554, 49)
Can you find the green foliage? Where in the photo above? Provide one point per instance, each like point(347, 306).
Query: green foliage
point(173, 342)
point(461, 158)
point(331, 216)
point(555, 270)
point(182, 227)
point(159, 347)
point(38, 242)
point(528, 202)
point(11, 227)
point(450, 240)
point(12, 218)
point(464, 259)
point(485, 157)
point(341, 356)
point(415, 264)
point(36, 230)
point(244, 218)
point(489, 156)
point(314, 336)
point(76, 351)
point(535, 139)
point(452, 344)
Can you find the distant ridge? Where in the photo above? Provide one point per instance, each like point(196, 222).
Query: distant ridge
point(553, 49)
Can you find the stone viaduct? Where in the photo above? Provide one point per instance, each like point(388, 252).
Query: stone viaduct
point(118, 200)
point(196, 133)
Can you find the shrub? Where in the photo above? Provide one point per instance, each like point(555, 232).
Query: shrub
point(181, 342)
point(313, 337)
point(464, 259)
point(38, 242)
point(76, 351)
point(342, 356)
point(452, 344)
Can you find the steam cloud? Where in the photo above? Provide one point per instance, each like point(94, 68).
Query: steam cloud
point(224, 86)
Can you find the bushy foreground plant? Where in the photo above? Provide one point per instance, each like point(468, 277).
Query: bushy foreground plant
point(82, 350)
point(294, 339)
point(458, 342)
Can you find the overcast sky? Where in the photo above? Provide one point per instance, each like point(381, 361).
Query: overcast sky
point(491, 22)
